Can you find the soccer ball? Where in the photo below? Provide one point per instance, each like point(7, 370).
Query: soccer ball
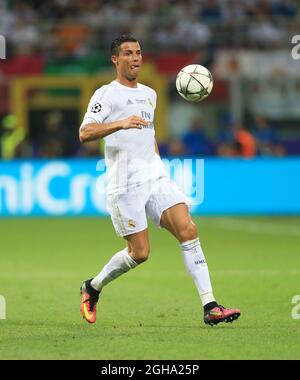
point(194, 83)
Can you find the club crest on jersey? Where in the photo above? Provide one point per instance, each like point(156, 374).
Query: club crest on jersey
point(96, 108)
point(150, 102)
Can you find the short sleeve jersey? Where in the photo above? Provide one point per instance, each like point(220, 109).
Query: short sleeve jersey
point(129, 154)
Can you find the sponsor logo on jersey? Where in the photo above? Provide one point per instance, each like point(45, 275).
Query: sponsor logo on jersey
point(146, 115)
point(150, 125)
point(96, 108)
point(129, 102)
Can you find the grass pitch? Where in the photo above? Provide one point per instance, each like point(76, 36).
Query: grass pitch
point(154, 311)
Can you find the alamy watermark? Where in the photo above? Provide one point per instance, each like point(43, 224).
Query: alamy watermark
point(126, 172)
point(296, 48)
point(296, 308)
point(2, 47)
point(2, 308)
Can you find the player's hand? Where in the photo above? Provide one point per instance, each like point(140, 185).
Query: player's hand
point(134, 122)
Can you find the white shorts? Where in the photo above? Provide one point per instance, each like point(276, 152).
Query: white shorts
point(129, 210)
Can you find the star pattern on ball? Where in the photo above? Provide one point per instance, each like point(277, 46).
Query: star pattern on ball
point(194, 83)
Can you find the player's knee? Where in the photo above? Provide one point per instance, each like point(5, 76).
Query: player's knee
point(140, 254)
point(188, 232)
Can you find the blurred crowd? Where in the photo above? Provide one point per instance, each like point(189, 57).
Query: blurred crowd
point(62, 29)
point(79, 27)
point(233, 140)
point(57, 139)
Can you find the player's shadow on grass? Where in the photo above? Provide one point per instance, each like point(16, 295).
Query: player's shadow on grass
point(83, 326)
point(197, 327)
point(44, 324)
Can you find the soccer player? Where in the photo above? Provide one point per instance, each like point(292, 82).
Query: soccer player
point(138, 186)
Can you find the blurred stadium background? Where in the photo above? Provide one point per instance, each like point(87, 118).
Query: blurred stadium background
point(246, 44)
point(248, 132)
point(58, 54)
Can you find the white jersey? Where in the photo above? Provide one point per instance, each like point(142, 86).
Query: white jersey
point(129, 154)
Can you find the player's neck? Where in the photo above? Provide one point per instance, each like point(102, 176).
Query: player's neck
point(126, 82)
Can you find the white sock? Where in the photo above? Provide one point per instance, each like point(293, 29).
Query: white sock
point(119, 264)
point(195, 263)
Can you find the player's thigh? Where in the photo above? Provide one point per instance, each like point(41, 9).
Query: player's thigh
point(168, 206)
point(178, 221)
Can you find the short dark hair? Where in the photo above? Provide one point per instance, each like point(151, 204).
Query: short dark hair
point(115, 45)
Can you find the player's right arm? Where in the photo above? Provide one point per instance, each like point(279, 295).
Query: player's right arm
point(95, 125)
point(95, 131)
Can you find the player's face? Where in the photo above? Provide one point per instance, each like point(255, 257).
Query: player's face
point(129, 60)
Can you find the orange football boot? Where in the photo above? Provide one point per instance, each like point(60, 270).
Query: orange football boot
point(221, 314)
point(89, 299)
